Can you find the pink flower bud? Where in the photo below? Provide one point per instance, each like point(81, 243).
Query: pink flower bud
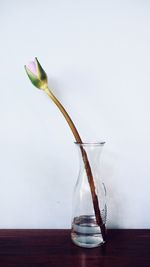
point(32, 67)
point(36, 74)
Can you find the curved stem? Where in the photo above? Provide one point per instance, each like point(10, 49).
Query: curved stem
point(66, 115)
point(86, 163)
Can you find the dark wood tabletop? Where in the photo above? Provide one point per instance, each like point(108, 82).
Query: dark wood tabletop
point(34, 248)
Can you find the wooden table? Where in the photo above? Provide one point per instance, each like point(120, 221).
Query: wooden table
point(34, 248)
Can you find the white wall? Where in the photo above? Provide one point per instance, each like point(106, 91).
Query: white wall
point(97, 56)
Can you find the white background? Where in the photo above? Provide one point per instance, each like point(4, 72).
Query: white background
point(97, 57)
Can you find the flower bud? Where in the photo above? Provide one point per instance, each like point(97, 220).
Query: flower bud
point(36, 74)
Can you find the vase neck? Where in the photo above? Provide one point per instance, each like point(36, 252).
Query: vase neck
point(93, 152)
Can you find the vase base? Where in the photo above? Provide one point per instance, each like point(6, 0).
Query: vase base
point(85, 232)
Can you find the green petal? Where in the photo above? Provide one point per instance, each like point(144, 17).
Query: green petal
point(33, 78)
point(41, 73)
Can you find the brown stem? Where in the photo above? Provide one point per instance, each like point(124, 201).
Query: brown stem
point(93, 193)
point(86, 163)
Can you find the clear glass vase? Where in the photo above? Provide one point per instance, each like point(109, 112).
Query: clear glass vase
point(89, 200)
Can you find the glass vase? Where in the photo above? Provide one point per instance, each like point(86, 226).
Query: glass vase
point(89, 199)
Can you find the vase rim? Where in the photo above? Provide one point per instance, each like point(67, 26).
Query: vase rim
point(98, 143)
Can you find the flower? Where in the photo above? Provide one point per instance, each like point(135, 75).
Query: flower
point(36, 74)
point(39, 79)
